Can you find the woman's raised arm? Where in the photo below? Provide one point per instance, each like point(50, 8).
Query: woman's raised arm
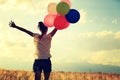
point(53, 32)
point(13, 25)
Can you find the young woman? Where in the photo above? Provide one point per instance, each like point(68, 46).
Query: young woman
point(42, 55)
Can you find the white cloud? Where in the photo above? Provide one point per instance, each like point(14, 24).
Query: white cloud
point(16, 48)
point(31, 6)
point(117, 35)
point(87, 35)
point(96, 41)
point(91, 21)
point(83, 16)
point(101, 34)
point(107, 57)
point(3, 1)
point(11, 44)
point(115, 21)
point(7, 4)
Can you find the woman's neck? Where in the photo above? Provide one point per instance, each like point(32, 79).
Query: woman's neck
point(43, 34)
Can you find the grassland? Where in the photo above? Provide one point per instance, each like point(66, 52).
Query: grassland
point(29, 75)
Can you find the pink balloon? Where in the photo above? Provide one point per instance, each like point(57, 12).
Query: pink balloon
point(67, 1)
point(61, 22)
point(49, 20)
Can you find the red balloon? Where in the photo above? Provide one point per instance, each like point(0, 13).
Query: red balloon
point(49, 20)
point(60, 22)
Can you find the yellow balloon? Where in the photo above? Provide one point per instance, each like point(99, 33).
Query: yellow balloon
point(52, 8)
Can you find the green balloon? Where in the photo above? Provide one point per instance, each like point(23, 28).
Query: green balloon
point(63, 8)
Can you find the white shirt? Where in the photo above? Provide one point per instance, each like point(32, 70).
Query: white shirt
point(43, 46)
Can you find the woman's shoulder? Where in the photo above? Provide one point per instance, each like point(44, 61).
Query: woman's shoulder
point(36, 35)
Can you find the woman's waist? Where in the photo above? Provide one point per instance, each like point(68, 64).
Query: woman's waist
point(42, 59)
point(42, 55)
point(43, 50)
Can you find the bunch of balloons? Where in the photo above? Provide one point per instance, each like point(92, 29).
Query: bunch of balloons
point(60, 15)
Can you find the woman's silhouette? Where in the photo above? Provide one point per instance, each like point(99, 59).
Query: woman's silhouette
point(42, 55)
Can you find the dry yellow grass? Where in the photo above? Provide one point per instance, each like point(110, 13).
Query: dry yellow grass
point(29, 75)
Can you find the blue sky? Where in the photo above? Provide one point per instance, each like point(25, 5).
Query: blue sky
point(92, 43)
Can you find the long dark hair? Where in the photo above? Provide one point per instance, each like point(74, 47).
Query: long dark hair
point(41, 26)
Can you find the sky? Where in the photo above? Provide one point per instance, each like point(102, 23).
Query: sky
point(91, 44)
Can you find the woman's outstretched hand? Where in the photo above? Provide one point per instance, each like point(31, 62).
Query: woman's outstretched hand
point(12, 24)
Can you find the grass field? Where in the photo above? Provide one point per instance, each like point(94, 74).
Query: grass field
point(29, 75)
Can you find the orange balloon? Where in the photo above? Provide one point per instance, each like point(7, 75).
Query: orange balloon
point(52, 8)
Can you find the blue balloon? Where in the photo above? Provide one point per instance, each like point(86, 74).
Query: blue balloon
point(73, 16)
